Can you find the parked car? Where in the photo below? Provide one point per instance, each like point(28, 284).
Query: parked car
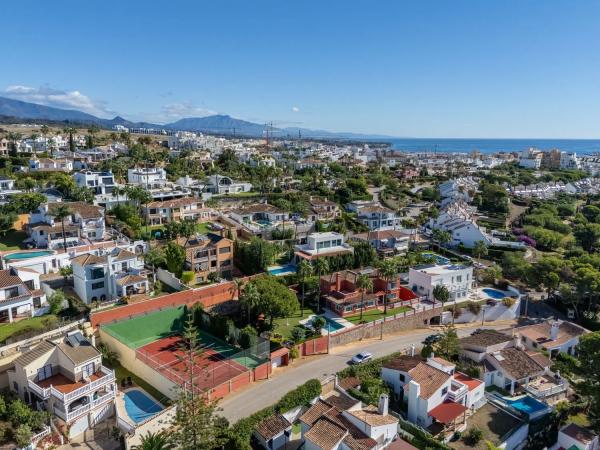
point(432, 339)
point(361, 357)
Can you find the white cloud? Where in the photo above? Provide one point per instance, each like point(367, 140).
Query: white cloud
point(174, 111)
point(295, 109)
point(48, 96)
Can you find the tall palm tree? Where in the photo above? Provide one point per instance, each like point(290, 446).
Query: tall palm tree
point(322, 266)
point(117, 191)
point(480, 249)
point(305, 270)
point(388, 270)
point(61, 212)
point(364, 283)
point(155, 441)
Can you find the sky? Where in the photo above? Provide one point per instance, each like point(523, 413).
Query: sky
point(460, 68)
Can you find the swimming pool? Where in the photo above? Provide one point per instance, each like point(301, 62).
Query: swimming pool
point(438, 259)
point(332, 325)
point(528, 405)
point(281, 270)
point(27, 255)
point(494, 293)
point(139, 406)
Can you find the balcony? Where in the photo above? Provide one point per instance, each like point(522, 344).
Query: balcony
point(66, 390)
point(84, 409)
point(545, 386)
point(457, 391)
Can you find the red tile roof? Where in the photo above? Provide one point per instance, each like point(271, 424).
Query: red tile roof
point(447, 412)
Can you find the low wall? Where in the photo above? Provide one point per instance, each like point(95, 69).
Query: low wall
point(209, 296)
point(171, 280)
point(161, 421)
point(316, 346)
point(492, 313)
point(393, 324)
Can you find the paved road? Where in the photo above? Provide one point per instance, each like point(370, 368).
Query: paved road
point(265, 393)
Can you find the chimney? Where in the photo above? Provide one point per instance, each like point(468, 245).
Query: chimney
point(412, 350)
point(384, 402)
point(554, 327)
point(338, 283)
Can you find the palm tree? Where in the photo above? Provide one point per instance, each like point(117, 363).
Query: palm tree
point(117, 191)
point(237, 285)
point(187, 229)
point(70, 131)
point(14, 138)
point(322, 266)
point(364, 283)
point(61, 212)
point(480, 249)
point(155, 441)
point(441, 294)
point(388, 270)
point(305, 270)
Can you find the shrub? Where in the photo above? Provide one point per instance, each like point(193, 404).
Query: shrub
point(23, 435)
point(472, 371)
point(248, 337)
point(294, 353)
point(508, 301)
point(457, 312)
point(298, 334)
point(473, 436)
point(187, 277)
point(474, 308)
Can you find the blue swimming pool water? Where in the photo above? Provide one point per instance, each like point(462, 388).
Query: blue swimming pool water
point(527, 405)
point(494, 293)
point(282, 270)
point(439, 259)
point(27, 255)
point(333, 325)
point(139, 406)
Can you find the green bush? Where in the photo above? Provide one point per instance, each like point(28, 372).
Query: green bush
point(473, 436)
point(508, 301)
point(188, 276)
point(474, 308)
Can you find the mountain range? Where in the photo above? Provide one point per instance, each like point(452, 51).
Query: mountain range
point(216, 124)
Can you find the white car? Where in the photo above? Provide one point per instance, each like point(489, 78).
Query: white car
point(361, 358)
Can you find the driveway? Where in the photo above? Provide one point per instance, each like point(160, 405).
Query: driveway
point(260, 395)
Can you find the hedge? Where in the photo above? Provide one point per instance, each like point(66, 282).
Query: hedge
point(240, 433)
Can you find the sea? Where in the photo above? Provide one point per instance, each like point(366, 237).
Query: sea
point(463, 145)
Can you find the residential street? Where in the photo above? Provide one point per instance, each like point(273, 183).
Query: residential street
point(265, 393)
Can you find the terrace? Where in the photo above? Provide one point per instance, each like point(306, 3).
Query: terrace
point(66, 389)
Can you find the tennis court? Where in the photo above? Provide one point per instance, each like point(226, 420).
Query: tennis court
point(148, 327)
point(211, 367)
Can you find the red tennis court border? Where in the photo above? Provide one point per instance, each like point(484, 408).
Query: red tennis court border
point(208, 296)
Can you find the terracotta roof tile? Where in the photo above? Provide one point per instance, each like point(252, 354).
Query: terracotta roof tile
point(429, 378)
point(272, 426)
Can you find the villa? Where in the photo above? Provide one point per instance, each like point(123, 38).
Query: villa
point(386, 242)
point(219, 184)
point(457, 278)
point(150, 177)
point(20, 294)
point(342, 295)
point(553, 336)
point(101, 183)
point(187, 208)
point(322, 245)
point(259, 216)
point(67, 379)
point(208, 254)
point(323, 210)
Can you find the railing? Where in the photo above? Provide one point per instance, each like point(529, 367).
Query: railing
point(108, 377)
point(41, 435)
point(542, 393)
point(457, 392)
point(71, 415)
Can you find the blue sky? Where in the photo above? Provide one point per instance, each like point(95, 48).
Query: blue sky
point(423, 68)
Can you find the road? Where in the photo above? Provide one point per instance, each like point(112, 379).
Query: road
point(265, 393)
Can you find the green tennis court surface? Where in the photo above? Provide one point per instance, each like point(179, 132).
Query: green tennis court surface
point(142, 330)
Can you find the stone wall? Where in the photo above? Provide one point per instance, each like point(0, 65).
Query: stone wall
point(375, 329)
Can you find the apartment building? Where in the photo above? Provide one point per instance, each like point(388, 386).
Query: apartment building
point(206, 254)
point(343, 296)
point(433, 390)
point(113, 275)
point(85, 222)
point(187, 208)
point(20, 294)
point(457, 278)
point(67, 379)
point(101, 183)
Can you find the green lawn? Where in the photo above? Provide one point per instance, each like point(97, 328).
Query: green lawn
point(25, 325)
point(375, 314)
point(284, 326)
point(202, 228)
point(12, 240)
point(121, 373)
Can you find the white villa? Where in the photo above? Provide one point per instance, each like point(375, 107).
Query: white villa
point(457, 278)
point(20, 294)
point(150, 177)
point(322, 244)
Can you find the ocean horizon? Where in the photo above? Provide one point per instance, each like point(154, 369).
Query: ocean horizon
point(463, 145)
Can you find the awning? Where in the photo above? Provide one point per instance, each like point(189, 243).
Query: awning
point(447, 412)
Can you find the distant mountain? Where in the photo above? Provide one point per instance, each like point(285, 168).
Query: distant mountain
point(216, 124)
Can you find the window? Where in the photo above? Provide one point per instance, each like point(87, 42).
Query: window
point(224, 250)
point(98, 285)
point(402, 378)
point(459, 278)
point(213, 264)
point(37, 302)
point(97, 273)
point(124, 267)
point(226, 263)
point(444, 391)
point(16, 386)
point(45, 372)
point(11, 292)
point(88, 369)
